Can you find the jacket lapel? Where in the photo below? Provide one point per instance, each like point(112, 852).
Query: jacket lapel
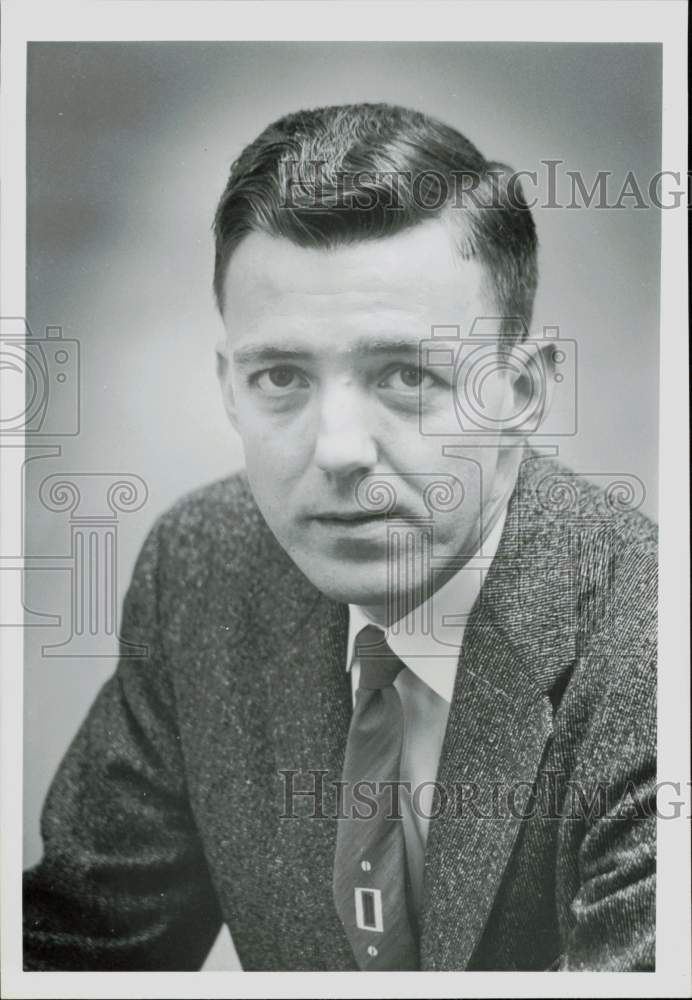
point(310, 709)
point(495, 738)
point(517, 646)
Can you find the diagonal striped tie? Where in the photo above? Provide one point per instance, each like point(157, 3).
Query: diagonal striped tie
point(370, 871)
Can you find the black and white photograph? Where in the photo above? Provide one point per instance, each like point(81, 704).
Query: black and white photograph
point(345, 478)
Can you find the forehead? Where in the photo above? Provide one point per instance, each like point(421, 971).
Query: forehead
point(416, 277)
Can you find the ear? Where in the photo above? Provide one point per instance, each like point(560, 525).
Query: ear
point(531, 372)
point(223, 372)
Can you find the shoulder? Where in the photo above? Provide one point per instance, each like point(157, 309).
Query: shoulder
point(224, 508)
point(213, 536)
point(605, 559)
point(591, 526)
point(555, 495)
point(581, 561)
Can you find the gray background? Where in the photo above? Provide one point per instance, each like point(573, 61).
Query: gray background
point(129, 146)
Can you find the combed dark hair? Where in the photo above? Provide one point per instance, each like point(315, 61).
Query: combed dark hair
point(353, 172)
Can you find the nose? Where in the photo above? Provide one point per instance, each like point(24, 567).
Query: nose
point(344, 441)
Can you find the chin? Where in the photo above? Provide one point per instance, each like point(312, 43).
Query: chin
point(364, 586)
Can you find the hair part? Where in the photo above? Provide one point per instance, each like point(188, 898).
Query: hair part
point(346, 173)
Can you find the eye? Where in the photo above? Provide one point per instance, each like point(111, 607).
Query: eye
point(407, 378)
point(280, 380)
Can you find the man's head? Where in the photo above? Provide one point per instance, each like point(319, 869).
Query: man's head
point(344, 235)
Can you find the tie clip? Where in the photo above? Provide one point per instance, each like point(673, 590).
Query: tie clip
point(369, 909)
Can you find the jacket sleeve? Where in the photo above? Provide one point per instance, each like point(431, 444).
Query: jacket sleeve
point(123, 883)
point(612, 913)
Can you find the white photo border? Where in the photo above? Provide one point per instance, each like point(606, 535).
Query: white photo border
point(662, 21)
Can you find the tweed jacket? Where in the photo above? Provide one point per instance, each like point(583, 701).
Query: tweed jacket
point(169, 813)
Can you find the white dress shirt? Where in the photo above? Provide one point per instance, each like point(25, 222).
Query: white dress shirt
point(425, 686)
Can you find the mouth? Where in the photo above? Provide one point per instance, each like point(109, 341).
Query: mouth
point(351, 518)
point(353, 534)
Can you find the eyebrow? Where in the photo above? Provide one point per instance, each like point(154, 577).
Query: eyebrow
point(254, 354)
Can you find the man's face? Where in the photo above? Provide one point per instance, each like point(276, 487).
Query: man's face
point(322, 379)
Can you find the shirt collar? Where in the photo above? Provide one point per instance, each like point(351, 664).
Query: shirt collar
point(431, 651)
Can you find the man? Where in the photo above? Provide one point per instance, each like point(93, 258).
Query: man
point(399, 705)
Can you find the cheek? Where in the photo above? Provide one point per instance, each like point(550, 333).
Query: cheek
point(480, 398)
point(469, 472)
point(492, 396)
point(270, 470)
point(270, 491)
point(275, 461)
point(273, 440)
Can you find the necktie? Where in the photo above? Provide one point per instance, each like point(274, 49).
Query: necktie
point(370, 872)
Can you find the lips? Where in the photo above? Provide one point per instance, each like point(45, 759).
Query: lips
point(351, 517)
